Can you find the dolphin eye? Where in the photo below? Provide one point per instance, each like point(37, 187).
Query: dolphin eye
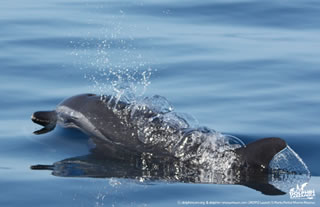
point(90, 94)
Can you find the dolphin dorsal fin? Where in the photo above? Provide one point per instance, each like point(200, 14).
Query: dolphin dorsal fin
point(260, 153)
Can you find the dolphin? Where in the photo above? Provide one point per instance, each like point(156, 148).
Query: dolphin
point(129, 131)
point(108, 122)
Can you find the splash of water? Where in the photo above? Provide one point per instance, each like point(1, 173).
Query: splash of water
point(287, 161)
point(179, 134)
point(110, 60)
point(287, 170)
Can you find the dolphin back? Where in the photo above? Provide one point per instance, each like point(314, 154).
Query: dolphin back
point(258, 154)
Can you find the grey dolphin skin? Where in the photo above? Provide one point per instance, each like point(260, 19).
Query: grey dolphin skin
point(108, 123)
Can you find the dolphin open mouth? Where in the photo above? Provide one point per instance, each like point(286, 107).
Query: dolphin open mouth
point(37, 120)
point(48, 119)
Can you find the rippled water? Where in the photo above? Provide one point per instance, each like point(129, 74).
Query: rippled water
point(246, 68)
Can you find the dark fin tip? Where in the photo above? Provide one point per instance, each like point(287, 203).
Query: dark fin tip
point(265, 188)
point(41, 167)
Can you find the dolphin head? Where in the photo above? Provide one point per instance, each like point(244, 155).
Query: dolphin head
point(49, 119)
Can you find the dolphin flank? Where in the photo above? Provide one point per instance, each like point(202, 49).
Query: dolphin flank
point(110, 123)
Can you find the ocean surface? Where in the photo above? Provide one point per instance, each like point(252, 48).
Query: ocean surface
point(246, 68)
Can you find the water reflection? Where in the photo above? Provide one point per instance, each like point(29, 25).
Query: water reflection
point(105, 163)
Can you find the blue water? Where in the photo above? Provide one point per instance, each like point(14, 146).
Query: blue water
point(246, 68)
